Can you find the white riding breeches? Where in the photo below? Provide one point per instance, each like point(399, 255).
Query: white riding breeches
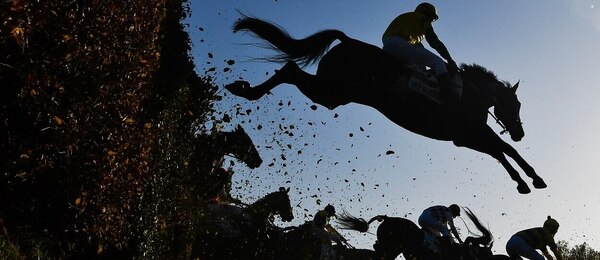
point(516, 246)
point(418, 55)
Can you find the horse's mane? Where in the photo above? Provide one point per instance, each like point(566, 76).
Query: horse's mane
point(269, 196)
point(479, 71)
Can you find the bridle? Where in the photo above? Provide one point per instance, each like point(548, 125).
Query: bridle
point(504, 129)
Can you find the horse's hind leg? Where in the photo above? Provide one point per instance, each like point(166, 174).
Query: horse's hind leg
point(284, 75)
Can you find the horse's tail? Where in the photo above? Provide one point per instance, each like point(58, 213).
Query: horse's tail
point(484, 240)
point(304, 51)
point(379, 218)
point(348, 221)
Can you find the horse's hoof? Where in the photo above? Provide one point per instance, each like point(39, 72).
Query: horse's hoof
point(523, 189)
point(539, 183)
point(241, 88)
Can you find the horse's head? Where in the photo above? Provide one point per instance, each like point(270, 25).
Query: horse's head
point(283, 207)
point(275, 203)
point(507, 108)
point(245, 149)
point(490, 91)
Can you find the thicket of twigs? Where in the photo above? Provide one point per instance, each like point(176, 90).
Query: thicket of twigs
point(99, 103)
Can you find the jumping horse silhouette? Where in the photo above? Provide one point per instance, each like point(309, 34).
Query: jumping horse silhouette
point(397, 236)
point(209, 153)
point(301, 242)
point(232, 232)
point(354, 71)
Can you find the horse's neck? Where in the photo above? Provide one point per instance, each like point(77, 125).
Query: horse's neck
point(219, 139)
point(262, 207)
point(480, 96)
point(224, 141)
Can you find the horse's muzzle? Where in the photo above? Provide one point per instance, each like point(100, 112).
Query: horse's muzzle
point(517, 134)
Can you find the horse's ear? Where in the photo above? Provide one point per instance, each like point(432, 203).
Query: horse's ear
point(281, 189)
point(239, 128)
point(514, 88)
point(287, 190)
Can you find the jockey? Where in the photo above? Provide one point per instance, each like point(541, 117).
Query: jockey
point(403, 39)
point(436, 220)
point(326, 233)
point(524, 243)
point(222, 187)
point(322, 217)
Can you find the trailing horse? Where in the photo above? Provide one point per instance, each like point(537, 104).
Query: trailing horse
point(208, 156)
point(302, 242)
point(296, 243)
point(229, 231)
point(397, 236)
point(236, 143)
point(354, 71)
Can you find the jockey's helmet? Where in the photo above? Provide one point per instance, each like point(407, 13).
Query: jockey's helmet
point(551, 225)
point(428, 10)
point(221, 173)
point(455, 209)
point(330, 209)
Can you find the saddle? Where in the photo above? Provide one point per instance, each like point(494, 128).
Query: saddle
point(424, 82)
point(431, 242)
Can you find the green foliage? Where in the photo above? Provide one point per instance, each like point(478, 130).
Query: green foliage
point(8, 250)
point(578, 252)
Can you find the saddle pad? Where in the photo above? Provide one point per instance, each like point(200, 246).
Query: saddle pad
point(424, 84)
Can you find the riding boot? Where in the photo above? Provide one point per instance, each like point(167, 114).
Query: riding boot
point(447, 95)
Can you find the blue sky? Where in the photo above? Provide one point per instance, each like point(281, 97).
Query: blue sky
point(339, 156)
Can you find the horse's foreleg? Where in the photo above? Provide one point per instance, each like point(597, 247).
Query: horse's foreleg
point(284, 75)
point(486, 141)
point(514, 174)
point(538, 182)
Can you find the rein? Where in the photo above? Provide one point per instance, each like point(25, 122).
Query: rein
point(504, 130)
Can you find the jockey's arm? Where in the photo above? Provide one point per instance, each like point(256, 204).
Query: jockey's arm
point(557, 253)
point(547, 254)
point(436, 44)
point(454, 232)
point(334, 232)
